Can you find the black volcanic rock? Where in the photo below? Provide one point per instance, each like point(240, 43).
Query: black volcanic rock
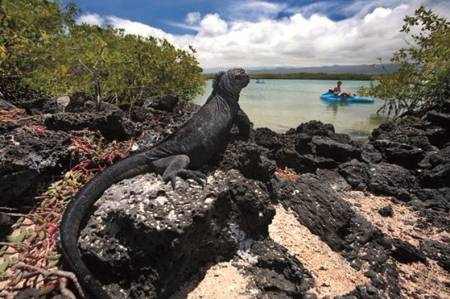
point(110, 124)
point(250, 159)
point(356, 173)
point(438, 251)
point(438, 174)
point(438, 199)
point(302, 143)
point(365, 292)
point(370, 154)
point(277, 273)
point(268, 139)
point(406, 253)
point(329, 148)
point(166, 103)
point(27, 157)
point(437, 136)
point(290, 158)
point(150, 239)
point(382, 178)
point(315, 127)
point(401, 154)
point(439, 119)
point(386, 211)
point(412, 131)
point(81, 102)
point(321, 209)
point(391, 179)
point(5, 105)
point(38, 105)
point(5, 225)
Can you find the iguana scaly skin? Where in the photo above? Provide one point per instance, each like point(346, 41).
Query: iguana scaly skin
point(178, 155)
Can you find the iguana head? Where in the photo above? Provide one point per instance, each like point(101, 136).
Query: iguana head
point(231, 81)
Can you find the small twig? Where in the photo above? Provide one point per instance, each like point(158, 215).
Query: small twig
point(17, 214)
point(13, 244)
point(64, 290)
point(8, 209)
point(47, 273)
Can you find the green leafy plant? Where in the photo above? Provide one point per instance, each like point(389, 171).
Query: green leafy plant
point(43, 48)
point(423, 78)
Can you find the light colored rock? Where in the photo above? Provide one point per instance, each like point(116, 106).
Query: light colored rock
point(62, 103)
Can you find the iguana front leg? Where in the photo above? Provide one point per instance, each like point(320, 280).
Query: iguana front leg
point(243, 123)
point(176, 166)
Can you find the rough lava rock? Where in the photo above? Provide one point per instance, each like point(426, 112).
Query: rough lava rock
point(314, 128)
point(250, 159)
point(329, 148)
point(438, 251)
point(166, 103)
point(382, 178)
point(26, 156)
point(39, 105)
point(409, 130)
point(277, 273)
point(401, 154)
point(290, 158)
point(321, 209)
point(81, 102)
point(154, 239)
point(111, 124)
point(439, 119)
point(267, 138)
point(6, 222)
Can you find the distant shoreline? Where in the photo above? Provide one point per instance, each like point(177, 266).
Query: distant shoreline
point(308, 76)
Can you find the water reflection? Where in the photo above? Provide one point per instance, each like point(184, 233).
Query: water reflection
point(284, 104)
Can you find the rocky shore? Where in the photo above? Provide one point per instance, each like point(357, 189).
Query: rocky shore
point(309, 213)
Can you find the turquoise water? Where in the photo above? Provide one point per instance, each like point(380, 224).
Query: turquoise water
point(283, 104)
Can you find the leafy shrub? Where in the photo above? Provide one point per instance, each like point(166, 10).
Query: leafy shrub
point(423, 78)
point(42, 47)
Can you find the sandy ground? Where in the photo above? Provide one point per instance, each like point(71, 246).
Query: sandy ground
point(222, 281)
point(402, 225)
point(416, 280)
point(423, 281)
point(332, 273)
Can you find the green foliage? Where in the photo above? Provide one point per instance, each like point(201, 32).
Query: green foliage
point(423, 79)
point(42, 47)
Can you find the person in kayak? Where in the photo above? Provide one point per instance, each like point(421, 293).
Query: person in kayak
point(337, 90)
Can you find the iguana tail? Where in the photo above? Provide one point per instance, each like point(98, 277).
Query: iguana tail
point(80, 206)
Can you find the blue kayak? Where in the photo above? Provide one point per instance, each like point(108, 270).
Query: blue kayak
point(332, 98)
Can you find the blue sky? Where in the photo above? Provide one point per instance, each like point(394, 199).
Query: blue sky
point(163, 14)
point(262, 33)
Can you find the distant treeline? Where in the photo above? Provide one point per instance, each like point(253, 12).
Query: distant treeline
point(313, 76)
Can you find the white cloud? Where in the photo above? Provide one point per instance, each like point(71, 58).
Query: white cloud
point(193, 17)
point(138, 28)
point(130, 27)
point(213, 25)
point(254, 9)
point(378, 15)
point(90, 19)
point(307, 38)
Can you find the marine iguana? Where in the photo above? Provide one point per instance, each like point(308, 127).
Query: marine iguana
point(178, 155)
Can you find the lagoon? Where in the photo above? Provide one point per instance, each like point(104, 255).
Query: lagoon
point(283, 104)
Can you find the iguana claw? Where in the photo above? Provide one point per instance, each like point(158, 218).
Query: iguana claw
point(185, 174)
